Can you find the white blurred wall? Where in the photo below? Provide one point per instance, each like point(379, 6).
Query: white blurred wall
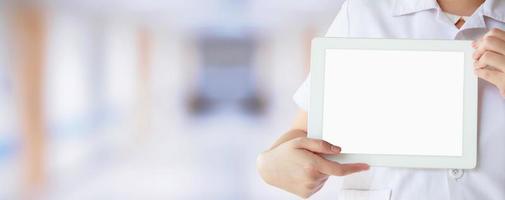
point(97, 149)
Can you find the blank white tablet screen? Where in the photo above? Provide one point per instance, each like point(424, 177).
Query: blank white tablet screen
point(394, 102)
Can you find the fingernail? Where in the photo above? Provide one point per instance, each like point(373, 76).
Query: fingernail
point(365, 167)
point(336, 149)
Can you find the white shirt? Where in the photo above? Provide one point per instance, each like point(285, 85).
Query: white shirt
point(423, 19)
point(455, 18)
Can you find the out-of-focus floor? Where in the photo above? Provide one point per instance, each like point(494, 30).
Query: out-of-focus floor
point(207, 162)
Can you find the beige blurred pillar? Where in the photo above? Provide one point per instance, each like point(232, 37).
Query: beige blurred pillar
point(143, 89)
point(28, 44)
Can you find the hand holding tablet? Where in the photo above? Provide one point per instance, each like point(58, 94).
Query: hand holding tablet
point(399, 103)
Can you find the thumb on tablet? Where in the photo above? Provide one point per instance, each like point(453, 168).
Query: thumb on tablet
point(337, 169)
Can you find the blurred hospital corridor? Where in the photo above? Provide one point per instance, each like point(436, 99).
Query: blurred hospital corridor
point(149, 99)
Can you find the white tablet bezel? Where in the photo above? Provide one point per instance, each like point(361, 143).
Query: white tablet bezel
point(469, 157)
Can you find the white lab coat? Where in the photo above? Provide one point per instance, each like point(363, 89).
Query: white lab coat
point(423, 19)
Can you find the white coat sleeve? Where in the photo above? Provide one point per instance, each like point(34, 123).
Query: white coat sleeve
point(339, 28)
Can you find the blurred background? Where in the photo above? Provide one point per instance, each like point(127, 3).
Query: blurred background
point(149, 99)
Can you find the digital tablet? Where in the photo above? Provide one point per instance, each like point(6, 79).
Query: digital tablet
point(395, 102)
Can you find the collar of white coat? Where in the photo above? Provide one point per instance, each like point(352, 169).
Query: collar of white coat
point(491, 8)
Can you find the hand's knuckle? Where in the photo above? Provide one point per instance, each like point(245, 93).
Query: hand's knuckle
point(486, 41)
point(311, 170)
point(490, 32)
point(485, 56)
point(323, 144)
point(299, 141)
point(339, 171)
point(484, 74)
point(494, 32)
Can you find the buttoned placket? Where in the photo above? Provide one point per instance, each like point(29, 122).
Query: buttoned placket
point(476, 21)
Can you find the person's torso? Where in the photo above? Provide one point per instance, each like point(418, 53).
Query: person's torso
point(369, 19)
